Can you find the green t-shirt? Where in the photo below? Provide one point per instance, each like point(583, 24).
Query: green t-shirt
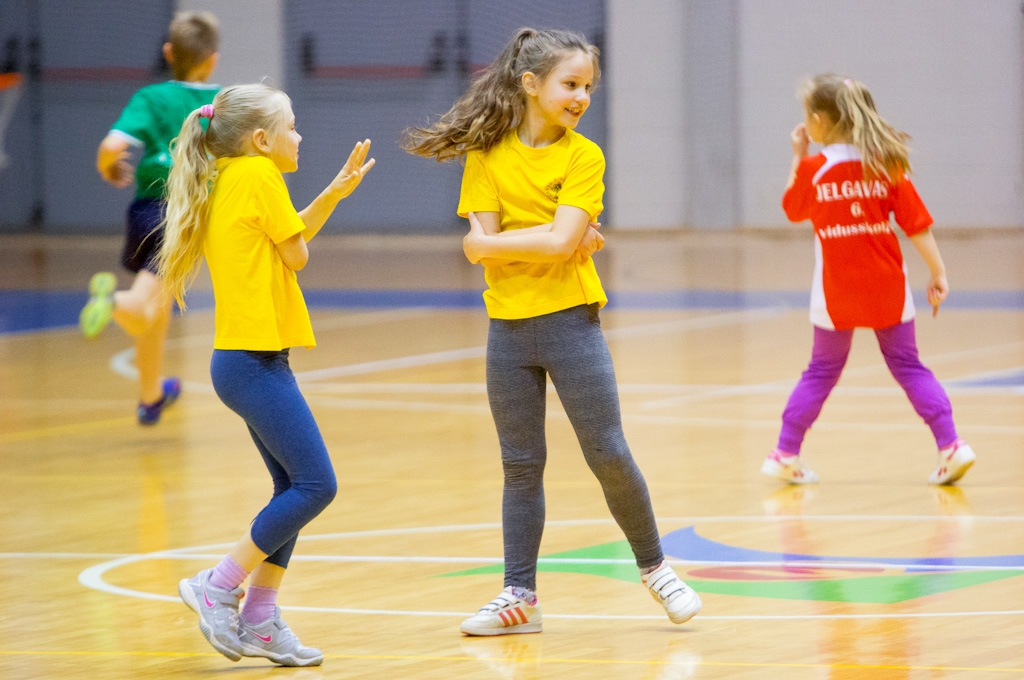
point(152, 118)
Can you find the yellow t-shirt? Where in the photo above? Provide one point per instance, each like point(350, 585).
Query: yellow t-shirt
point(525, 185)
point(258, 302)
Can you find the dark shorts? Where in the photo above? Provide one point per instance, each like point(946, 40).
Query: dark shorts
point(143, 239)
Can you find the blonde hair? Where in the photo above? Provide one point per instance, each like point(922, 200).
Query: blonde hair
point(851, 109)
point(495, 101)
point(194, 38)
point(237, 112)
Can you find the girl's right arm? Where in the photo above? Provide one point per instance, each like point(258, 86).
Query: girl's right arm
point(112, 161)
point(801, 144)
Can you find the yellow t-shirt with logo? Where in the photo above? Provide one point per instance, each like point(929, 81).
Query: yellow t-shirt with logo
point(525, 185)
point(258, 302)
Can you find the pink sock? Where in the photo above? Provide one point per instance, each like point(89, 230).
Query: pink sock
point(779, 454)
point(260, 604)
point(227, 575)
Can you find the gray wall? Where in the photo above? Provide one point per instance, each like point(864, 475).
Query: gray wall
point(334, 105)
point(694, 112)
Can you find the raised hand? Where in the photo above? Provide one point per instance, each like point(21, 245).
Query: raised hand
point(353, 171)
point(800, 139)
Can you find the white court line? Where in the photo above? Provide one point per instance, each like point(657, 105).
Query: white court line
point(555, 411)
point(586, 561)
point(478, 352)
point(92, 577)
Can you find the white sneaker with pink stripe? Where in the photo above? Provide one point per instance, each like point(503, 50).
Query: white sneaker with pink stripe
point(954, 461)
point(504, 615)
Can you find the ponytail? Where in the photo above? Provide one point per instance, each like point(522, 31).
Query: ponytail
point(851, 107)
point(184, 225)
point(235, 114)
point(495, 101)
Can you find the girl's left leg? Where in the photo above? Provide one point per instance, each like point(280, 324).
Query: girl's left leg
point(581, 369)
point(261, 388)
point(580, 365)
point(899, 347)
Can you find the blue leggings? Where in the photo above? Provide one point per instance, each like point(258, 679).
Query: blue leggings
point(260, 387)
point(569, 346)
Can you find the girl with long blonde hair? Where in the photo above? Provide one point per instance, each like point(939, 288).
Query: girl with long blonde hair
point(227, 202)
point(849, 191)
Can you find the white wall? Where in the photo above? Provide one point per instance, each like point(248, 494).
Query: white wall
point(946, 71)
point(949, 72)
point(646, 148)
point(251, 39)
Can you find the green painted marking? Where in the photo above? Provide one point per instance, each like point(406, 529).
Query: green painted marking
point(873, 589)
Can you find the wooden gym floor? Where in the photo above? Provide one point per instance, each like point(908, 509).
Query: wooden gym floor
point(869, 574)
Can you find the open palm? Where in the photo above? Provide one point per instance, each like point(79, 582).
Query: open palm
point(354, 170)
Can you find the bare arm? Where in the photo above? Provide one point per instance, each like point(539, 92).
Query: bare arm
point(557, 245)
point(293, 252)
point(938, 286)
point(112, 161)
point(801, 144)
point(316, 213)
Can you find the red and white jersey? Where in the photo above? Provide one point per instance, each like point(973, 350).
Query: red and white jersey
point(860, 278)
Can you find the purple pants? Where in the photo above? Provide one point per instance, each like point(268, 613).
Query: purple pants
point(899, 347)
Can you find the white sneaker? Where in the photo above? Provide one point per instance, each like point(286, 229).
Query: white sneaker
point(218, 612)
point(954, 462)
point(789, 468)
point(504, 615)
point(273, 639)
point(679, 600)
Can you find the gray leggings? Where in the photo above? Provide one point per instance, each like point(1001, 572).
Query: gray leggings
point(570, 347)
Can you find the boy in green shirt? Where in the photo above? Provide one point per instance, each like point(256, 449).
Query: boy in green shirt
point(152, 118)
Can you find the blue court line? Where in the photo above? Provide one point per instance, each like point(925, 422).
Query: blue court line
point(23, 311)
point(687, 544)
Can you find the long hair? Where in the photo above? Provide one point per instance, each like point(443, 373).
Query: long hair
point(495, 101)
point(193, 36)
point(238, 112)
point(851, 109)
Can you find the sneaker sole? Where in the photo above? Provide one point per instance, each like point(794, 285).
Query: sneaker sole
point(955, 477)
point(773, 469)
point(683, 618)
point(507, 630)
point(189, 598)
point(97, 311)
point(280, 659)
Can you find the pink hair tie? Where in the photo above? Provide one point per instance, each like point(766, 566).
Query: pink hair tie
point(848, 83)
point(206, 111)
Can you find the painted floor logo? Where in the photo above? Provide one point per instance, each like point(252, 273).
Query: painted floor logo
point(786, 576)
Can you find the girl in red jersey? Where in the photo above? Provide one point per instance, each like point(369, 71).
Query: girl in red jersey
point(848, 192)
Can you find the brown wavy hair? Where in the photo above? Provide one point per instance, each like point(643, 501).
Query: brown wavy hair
point(495, 101)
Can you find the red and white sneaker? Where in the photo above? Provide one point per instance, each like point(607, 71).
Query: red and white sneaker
point(788, 467)
point(504, 615)
point(954, 462)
